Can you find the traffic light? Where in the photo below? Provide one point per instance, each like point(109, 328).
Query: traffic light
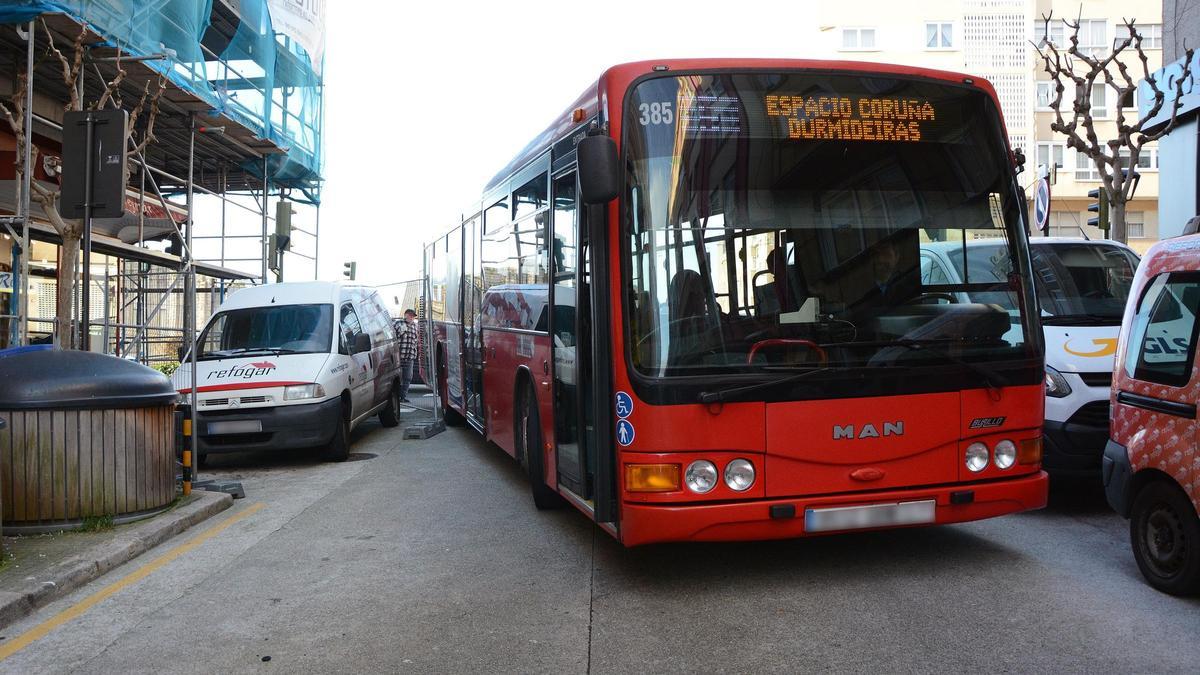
point(349, 269)
point(279, 244)
point(1100, 208)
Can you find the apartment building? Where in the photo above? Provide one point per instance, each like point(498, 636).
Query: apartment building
point(995, 40)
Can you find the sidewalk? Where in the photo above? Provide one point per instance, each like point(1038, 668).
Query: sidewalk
point(39, 568)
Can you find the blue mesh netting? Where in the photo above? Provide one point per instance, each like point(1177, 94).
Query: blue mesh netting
point(257, 77)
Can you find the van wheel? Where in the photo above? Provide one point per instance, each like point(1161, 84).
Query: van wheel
point(390, 415)
point(529, 451)
point(338, 449)
point(201, 460)
point(1165, 534)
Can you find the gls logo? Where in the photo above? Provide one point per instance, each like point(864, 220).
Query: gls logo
point(867, 431)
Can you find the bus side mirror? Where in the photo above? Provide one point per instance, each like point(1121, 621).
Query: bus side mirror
point(599, 170)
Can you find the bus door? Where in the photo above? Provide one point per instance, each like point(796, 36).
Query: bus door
point(571, 351)
point(473, 340)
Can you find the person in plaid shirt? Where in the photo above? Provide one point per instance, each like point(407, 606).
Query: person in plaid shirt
point(406, 333)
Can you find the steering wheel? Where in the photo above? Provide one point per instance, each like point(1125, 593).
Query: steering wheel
point(786, 342)
point(949, 297)
point(705, 348)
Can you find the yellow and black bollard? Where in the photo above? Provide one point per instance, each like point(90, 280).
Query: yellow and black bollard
point(187, 457)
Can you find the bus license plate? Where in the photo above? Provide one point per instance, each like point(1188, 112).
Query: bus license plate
point(872, 515)
point(235, 427)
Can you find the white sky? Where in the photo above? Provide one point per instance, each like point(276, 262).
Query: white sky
point(425, 102)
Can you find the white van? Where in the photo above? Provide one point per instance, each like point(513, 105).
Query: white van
point(293, 365)
point(1082, 287)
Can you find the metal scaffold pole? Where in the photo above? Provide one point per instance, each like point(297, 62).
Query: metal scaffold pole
point(23, 310)
point(266, 239)
point(189, 467)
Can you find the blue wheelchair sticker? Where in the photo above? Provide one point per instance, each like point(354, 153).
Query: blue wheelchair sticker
point(624, 405)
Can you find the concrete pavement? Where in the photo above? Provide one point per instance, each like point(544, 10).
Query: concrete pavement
point(429, 557)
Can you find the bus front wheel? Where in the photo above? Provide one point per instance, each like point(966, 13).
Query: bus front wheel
point(529, 441)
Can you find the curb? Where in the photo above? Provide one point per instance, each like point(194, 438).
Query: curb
point(95, 561)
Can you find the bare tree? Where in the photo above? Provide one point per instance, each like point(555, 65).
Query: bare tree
point(68, 229)
point(1079, 69)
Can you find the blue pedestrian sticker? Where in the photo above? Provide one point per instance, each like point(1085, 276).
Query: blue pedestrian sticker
point(624, 432)
point(624, 405)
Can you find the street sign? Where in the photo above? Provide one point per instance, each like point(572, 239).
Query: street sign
point(105, 161)
point(1041, 205)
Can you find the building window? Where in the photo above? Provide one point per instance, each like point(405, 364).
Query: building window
point(1147, 158)
point(1050, 151)
point(1085, 168)
point(1128, 100)
point(1093, 36)
point(1052, 34)
point(1151, 36)
point(858, 39)
point(1063, 224)
point(939, 35)
point(1045, 94)
point(1135, 224)
point(1099, 101)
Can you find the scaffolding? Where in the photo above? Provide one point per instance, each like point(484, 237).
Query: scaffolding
point(239, 127)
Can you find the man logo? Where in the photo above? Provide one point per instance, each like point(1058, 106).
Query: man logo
point(867, 431)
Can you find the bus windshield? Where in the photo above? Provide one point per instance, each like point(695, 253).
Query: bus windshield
point(777, 220)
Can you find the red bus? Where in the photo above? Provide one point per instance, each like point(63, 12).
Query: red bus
point(697, 307)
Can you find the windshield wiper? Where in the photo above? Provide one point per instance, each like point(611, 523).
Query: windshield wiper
point(722, 395)
point(993, 380)
point(1080, 319)
point(261, 350)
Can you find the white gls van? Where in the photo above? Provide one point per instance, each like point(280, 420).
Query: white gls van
point(293, 365)
point(1082, 287)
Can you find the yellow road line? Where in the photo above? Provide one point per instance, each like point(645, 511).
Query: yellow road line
point(41, 630)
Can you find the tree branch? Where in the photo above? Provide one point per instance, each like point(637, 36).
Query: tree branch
point(148, 135)
point(112, 89)
point(70, 69)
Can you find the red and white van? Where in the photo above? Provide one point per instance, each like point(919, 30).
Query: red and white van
point(1151, 466)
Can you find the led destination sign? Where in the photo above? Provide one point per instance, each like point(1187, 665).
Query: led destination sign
point(851, 118)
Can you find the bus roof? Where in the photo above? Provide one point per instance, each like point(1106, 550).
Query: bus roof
point(620, 76)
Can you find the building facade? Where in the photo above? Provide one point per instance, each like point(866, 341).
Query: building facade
point(995, 39)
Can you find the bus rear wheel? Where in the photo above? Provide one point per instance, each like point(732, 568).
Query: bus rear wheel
point(529, 451)
point(1165, 533)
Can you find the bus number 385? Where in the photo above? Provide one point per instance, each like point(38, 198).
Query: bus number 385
point(656, 113)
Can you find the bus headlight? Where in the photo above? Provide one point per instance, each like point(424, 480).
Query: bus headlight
point(299, 392)
point(1005, 454)
point(977, 457)
point(739, 475)
point(1056, 384)
point(701, 476)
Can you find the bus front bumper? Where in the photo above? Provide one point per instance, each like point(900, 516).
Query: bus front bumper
point(645, 524)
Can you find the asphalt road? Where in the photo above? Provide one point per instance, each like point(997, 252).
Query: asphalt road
point(428, 556)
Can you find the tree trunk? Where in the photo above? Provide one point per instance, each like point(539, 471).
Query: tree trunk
point(68, 254)
point(1116, 220)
